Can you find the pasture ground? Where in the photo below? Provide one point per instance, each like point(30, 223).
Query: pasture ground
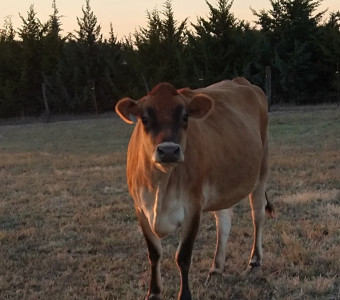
point(68, 228)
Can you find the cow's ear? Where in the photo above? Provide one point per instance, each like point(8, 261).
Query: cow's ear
point(200, 106)
point(126, 107)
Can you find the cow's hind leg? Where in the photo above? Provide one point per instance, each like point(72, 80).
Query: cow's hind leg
point(155, 255)
point(223, 225)
point(260, 207)
point(258, 204)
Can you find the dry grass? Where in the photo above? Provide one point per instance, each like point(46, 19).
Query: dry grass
point(68, 228)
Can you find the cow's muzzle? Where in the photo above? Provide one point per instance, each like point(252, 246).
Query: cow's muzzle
point(168, 152)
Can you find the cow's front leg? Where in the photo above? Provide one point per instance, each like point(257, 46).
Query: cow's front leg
point(155, 254)
point(183, 254)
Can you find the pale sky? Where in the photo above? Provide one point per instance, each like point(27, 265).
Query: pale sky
point(128, 15)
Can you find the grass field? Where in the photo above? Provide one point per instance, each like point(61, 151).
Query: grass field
point(68, 228)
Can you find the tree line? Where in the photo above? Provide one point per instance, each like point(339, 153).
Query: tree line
point(42, 71)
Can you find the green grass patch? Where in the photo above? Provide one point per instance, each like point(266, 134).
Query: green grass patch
point(68, 228)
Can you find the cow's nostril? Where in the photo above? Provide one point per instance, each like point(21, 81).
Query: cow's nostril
point(177, 151)
point(161, 152)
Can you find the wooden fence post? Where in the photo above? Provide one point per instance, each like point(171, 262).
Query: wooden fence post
point(47, 108)
point(269, 85)
point(337, 85)
point(93, 92)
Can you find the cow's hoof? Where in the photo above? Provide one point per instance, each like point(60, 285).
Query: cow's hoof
point(253, 268)
point(215, 275)
point(152, 297)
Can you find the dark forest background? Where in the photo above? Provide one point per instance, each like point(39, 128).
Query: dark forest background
point(44, 72)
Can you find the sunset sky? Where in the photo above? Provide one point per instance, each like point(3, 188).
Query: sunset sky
point(128, 15)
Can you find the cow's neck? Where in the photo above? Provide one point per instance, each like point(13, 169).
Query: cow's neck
point(162, 178)
point(163, 202)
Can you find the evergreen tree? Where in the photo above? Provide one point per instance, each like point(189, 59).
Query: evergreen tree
point(8, 33)
point(148, 43)
point(31, 34)
point(89, 39)
point(117, 70)
point(291, 27)
point(53, 46)
point(10, 63)
point(89, 32)
point(173, 40)
point(216, 43)
point(160, 46)
point(329, 62)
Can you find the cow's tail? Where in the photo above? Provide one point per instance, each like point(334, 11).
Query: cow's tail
point(270, 211)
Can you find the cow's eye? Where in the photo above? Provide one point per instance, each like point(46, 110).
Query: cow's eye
point(185, 117)
point(144, 120)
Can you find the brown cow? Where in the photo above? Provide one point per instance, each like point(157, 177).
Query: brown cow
point(194, 151)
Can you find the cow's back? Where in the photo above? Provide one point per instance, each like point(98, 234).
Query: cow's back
point(231, 142)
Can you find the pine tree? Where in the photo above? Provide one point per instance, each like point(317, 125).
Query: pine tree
point(10, 64)
point(88, 39)
point(31, 34)
point(329, 61)
point(291, 27)
point(173, 41)
point(52, 49)
point(214, 43)
point(160, 46)
point(89, 32)
point(8, 33)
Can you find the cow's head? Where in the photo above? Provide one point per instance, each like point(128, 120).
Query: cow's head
point(164, 115)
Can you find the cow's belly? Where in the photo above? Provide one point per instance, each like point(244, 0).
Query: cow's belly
point(217, 197)
point(232, 180)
